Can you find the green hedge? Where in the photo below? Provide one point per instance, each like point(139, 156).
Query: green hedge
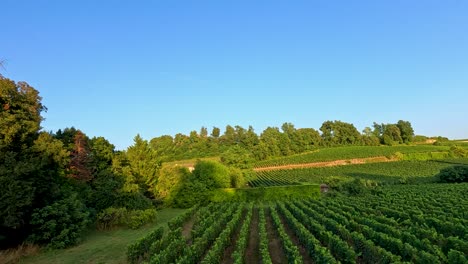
point(265, 193)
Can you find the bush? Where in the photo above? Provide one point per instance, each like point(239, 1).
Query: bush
point(237, 178)
point(457, 173)
point(170, 180)
point(265, 193)
point(133, 201)
point(61, 224)
point(357, 186)
point(113, 217)
point(137, 218)
point(207, 176)
point(458, 152)
point(212, 174)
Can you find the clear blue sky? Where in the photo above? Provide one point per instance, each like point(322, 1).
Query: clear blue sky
point(116, 69)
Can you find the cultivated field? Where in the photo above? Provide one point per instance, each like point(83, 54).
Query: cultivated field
point(418, 224)
point(388, 172)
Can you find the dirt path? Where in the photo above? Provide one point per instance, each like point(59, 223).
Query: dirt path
point(327, 163)
point(187, 229)
point(305, 255)
point(274, 244)
point(252, 253)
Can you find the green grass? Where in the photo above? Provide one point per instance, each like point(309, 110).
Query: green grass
point(102, 246)
point(388, 172)
point(349, 152)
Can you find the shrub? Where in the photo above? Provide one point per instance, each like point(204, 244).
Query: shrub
point(61, 224)
point(237, 178)
point(137, 218)
point(265, 193)
point(457, 173)
point(133, 201)
point(458, 152)
point(212, 174)
point(113, 217)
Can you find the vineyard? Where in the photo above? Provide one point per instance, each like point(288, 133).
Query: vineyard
point(350, 152)
point(419, 224)
point(391, 172)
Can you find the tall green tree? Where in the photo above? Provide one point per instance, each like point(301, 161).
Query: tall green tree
point(406, 131)
point(340, 133)
point(143, 166)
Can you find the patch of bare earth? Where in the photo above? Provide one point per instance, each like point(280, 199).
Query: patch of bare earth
point(227, 255)
point(252, 253)
point(274, 243)
point(305, 255)
point(327, 163)
point(187, 229)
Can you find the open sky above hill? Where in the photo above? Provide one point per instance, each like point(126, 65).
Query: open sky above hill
point(116, 69)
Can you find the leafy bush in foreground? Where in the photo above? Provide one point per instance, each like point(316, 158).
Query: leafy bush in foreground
point(60, 225)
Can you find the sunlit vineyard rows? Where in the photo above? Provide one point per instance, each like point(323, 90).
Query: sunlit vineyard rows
point(349, 152)
point(418, 224)
point(390, 172)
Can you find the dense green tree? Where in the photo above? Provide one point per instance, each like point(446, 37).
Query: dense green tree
point(271, 139)
point(229, 136)
point(170, 181)
point(142, 167)
point(392, 135)
point(238, 157)
point(406, 131)
point(250, 139)
point(203, 132)
point(340, 133)
point(216, 132)
point(207, 176)
point(32, 164)
point(101, 154)
point(305, 139)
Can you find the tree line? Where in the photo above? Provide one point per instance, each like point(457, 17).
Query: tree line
point(275, 142)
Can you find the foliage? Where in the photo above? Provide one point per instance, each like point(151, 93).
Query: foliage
point(453, 174)
point(194, 188)
point(170, 180)
point(265, 193)
point(212, 174)
point(60, 224)
point(356, 187)
point(138, 249)
point(458, 152)
point(340, 133)
point(112, 217)
point(238, 157)
point(237, 178)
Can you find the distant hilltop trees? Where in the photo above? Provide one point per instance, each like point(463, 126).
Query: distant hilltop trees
point(274, 142)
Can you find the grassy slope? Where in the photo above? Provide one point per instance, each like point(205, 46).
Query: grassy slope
point(102, 247)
